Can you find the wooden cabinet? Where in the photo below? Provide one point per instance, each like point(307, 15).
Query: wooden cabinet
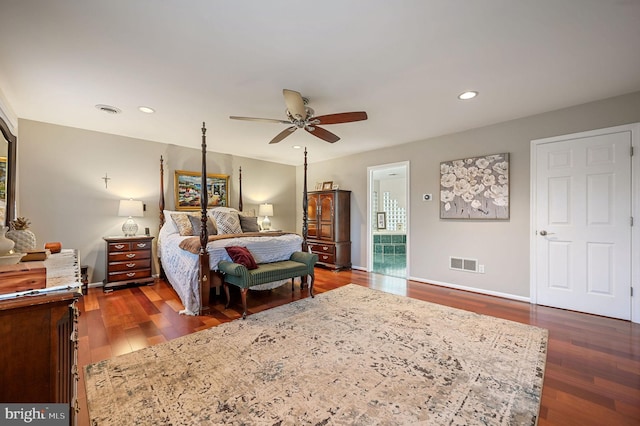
point(38, 360)
point(128, 261)
point(329, 227)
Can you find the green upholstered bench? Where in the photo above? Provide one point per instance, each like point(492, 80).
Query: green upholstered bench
point(300, 264)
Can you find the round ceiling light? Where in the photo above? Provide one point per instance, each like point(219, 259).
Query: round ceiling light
point(465, 96)
point(108, 109)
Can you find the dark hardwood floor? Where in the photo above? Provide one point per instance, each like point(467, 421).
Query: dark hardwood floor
point(593, 363)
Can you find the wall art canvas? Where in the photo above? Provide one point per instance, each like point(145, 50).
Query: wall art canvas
point(475, 188)
point(187, 190)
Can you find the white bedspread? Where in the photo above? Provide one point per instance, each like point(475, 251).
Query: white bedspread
point(181, 266)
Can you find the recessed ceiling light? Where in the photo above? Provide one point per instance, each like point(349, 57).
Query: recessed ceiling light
point(296, 147)
point(109, 109)
point(147, 110)
point(467, 95)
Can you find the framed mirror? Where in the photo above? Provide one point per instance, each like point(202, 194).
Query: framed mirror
point(7, 174)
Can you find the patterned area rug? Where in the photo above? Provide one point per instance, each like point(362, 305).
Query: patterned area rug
point(351, 356)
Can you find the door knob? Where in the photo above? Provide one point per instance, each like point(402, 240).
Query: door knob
point(543, 233)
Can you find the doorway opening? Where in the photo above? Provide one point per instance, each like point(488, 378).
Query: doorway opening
point(388, 219)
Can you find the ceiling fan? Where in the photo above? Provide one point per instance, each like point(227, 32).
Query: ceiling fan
point(302, 117)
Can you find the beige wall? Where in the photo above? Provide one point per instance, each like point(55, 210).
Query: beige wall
point(61, 190)
point(502, 246)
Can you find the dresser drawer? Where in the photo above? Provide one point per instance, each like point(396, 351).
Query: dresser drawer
point(129, 275)
point(129, 265)
point(319, 249)
point(326, 258)
point(130, 255)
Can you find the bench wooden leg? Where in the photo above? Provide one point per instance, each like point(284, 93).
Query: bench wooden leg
point(226, 291)
point(243, 293)
point(313, 278)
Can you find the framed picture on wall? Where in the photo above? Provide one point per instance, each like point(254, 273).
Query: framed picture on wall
point(475, 188)
point(381, 219)
point(187, 190)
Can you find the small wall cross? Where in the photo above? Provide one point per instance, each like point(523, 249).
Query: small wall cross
point(106, 180)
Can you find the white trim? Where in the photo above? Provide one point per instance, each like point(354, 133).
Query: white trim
point(8, 116)
point(634, 128)
point(473, 289)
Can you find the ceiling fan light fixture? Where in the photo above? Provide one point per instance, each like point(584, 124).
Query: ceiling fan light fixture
point(465, 96)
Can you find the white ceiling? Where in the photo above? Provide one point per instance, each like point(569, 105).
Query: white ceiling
point(404, 62)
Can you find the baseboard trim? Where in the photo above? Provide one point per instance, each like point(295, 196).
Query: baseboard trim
point(473, 289)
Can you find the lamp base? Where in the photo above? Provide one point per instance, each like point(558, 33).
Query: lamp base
point(129, 228)
point(266, 223)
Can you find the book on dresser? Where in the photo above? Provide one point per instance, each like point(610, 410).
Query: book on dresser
point(128, 261)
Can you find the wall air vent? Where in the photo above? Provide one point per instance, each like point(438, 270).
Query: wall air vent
point(462, 264)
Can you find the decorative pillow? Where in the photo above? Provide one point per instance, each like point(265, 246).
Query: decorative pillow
point(182, 223)
point(242, 255)
point(196, 224)
point(227, 222)
point(249, 224)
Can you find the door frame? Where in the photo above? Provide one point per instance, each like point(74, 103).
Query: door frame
point(370, 180)
point(634, 128)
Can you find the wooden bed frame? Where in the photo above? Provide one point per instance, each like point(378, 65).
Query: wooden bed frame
point(207, 278)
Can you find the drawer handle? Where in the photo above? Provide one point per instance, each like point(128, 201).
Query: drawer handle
point(325, 257)
point(141, 245)
point(119, 246)
point(131, 255)
point(131, 274)
point(325, 248)
point(131, 265)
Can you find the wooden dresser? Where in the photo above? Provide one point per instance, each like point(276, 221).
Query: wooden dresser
point(329, 227)
point(128, 261)
point(38, 331)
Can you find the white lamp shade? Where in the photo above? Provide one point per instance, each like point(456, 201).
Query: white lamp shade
point(265, 210)
point(132, 208)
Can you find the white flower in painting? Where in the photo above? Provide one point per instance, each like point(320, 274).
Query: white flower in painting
point(487, 172)
point(494, 157)
point(460, 172)
point(482, 163)
point(447, 206)
point(472, 171)
point(501, 168)
point(446, 196)
point(458, 163)
point(488, 180)
point(500, 190)
point(501, 201)
point(469, 161)
point(476, 189)
point(461, 187)
point(445, 168)
point(503, 179)
point(448, 180)
point(467, 196)
point(476, 204)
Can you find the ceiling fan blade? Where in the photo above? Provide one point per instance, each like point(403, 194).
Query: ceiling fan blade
point(263, 120)
point(323, 134)
point(343, 117)
point(283, 134)
point(294, 103)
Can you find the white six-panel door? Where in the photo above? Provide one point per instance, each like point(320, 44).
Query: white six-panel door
point(582, 223)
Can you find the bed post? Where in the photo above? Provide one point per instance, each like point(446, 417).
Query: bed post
point(203, 272)
point(240, 191)
point(161, 206)
point(305, 206)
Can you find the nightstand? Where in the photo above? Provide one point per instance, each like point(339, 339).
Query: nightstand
point(128, 261)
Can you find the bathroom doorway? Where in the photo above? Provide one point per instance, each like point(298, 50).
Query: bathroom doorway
point(388, 219)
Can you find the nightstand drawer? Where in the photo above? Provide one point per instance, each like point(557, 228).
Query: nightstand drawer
point(129, 245)
point(130, 255)
point(129, 265)
point(131, 275)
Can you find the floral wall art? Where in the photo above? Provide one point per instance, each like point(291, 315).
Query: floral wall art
point(475, 188)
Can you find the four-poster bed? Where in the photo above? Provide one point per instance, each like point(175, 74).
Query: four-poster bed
point(189, 261)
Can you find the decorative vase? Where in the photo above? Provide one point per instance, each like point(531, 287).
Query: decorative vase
point(6, 244)
point(24, 238)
